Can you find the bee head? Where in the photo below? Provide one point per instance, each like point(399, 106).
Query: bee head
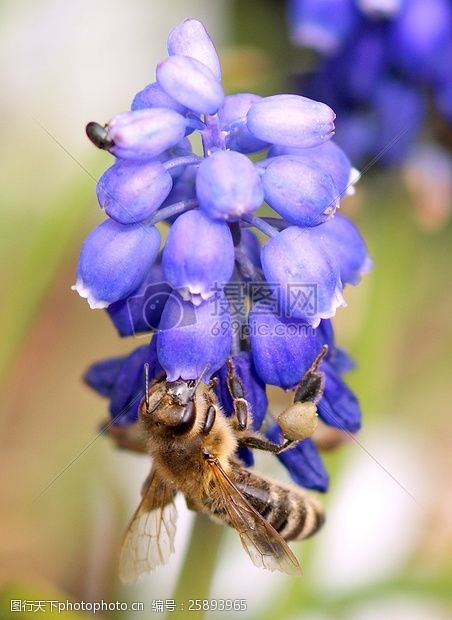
point(170, 406)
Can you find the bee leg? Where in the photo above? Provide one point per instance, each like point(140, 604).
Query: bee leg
point(256, 441)
point(310, 388)
point(241, 407)
point(125, 437)
point(209, 420)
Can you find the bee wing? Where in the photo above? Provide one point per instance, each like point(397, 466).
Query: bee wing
point(266, 548)
point(149, 539)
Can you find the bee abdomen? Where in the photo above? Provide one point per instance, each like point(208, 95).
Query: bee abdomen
point(294, 514)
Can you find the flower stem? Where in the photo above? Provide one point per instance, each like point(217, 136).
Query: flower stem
point(195, 577)
point(186, 160)
point(261, 225)
point(175, 209)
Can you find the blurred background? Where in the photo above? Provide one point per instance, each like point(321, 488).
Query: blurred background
point(386, 550)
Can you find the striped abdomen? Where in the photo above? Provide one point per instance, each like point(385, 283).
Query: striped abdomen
point(294, 513)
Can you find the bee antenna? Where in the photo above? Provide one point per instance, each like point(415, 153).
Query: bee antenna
point(146, 386)
point(199, 379)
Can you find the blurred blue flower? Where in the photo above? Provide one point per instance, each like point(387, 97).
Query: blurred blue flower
point(195, 293)
point(380, 64)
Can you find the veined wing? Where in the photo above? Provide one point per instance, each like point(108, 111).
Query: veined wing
point(149, 539)
point(266, 548)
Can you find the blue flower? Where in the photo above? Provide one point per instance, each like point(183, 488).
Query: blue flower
point(114, 261)
point(141, 311)
point(377, 57)
point(302, 461)
point(212, 294)
point(121, 380)
point(190, 257)
point(191, 341)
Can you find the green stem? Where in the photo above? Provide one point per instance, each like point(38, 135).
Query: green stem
point(195, 577)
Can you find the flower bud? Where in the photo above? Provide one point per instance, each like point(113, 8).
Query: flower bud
point(144, 134)
point(321, 24)
point(114, 261)
point(153, 96)
point(419, 34)
point(328, 157)
point(291, 120)
point(141, 311)
point(198, 257)
point(194, 339)
point(304, 277)
point(232, 115)
point(128, 389)
point(341, 241)
point(228, 186)
point(300, 191)
point(130, 192)
point(283, 348)
point(394, 94)
point(190, 38)
point(190, 83)
point(101, 376)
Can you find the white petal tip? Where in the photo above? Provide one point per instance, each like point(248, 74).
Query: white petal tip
point(93, 302)
point(355, 176)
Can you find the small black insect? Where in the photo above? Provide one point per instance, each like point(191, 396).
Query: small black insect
point(98, 135)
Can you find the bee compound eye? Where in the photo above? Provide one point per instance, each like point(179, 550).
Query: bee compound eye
point(187, 419)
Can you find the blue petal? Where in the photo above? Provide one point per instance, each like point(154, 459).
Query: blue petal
point(183, 188)
point(253, 387)
point(419, 34)
point(341, 240)
point(251, 247)
point(397, 132)
point(193, 339)
point(101, 376)
point(198, 256)
point(130, 192)
point(114, 261)
point(190, 38)
point(321, 24)
point(291, 120)
point(128, 389)
point(338, 407)
point(232, 115)
point(283, 348)
point(191, 83)
point(142, 310)
point(303, 462)
point(300, 191)
point(328, 157)
point(357, 134)
point(337, 358)
point(228, 185)
point(302, 275)
point(246, 456)
point(153, 96)
point(144, 134)
point(363, 63)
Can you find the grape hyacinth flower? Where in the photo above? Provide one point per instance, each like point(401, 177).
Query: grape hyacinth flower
point(211, 293)
point(382, 65)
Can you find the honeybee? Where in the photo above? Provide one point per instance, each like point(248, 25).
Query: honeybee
point(193, 447)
